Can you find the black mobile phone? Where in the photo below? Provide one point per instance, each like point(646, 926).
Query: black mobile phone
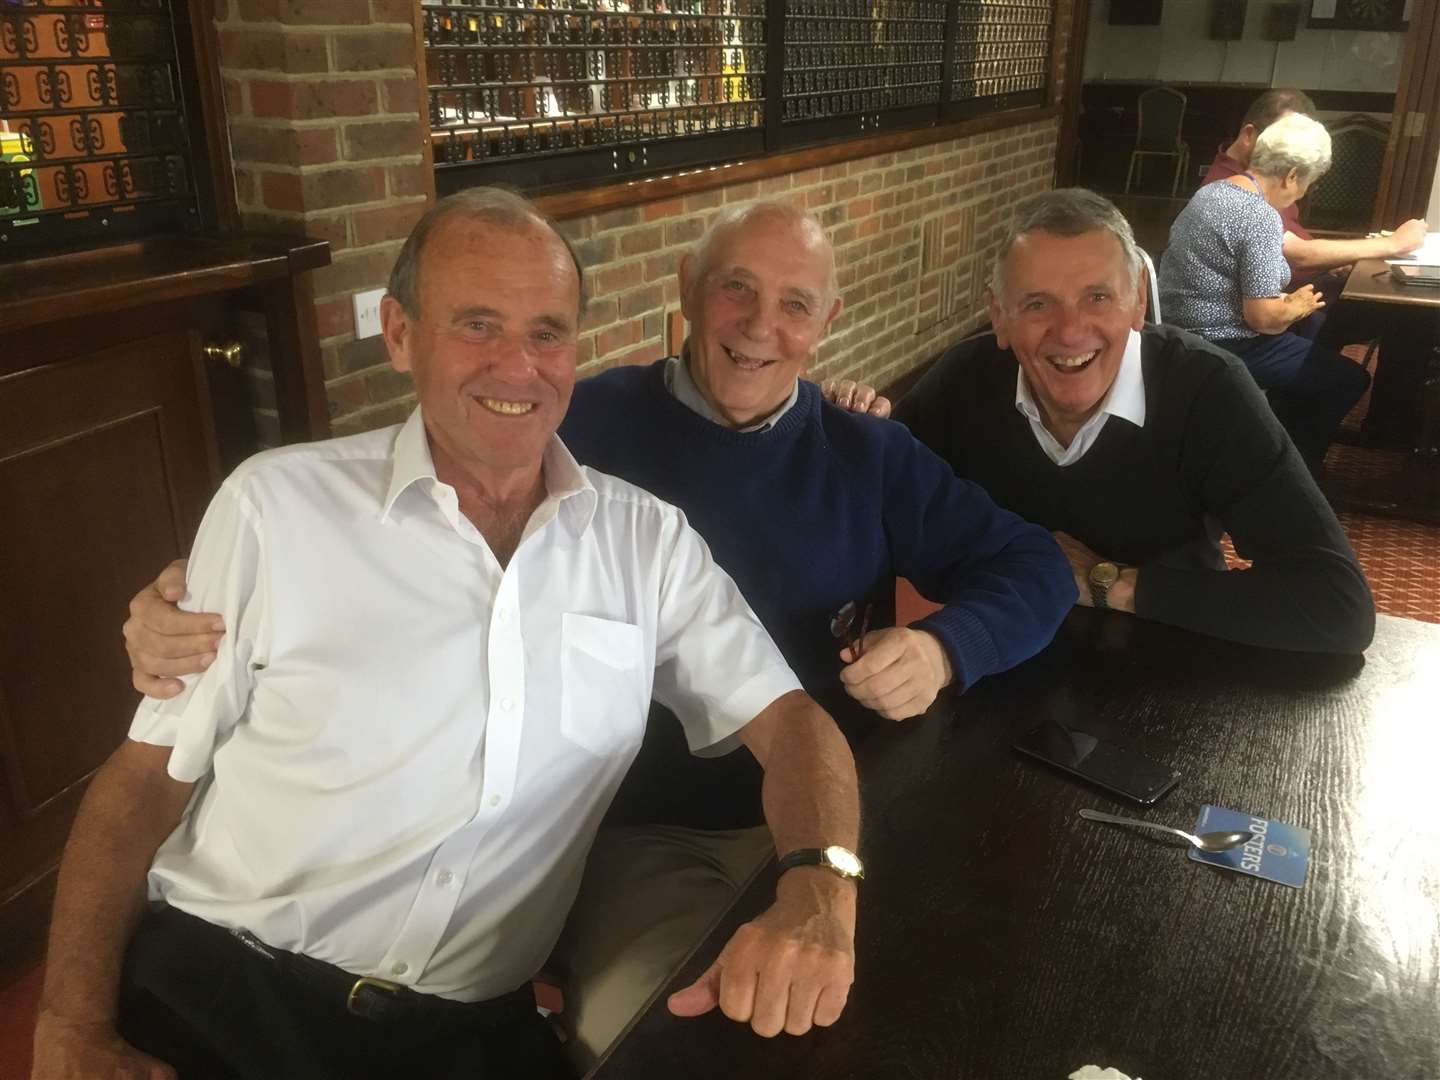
point(1117, 770)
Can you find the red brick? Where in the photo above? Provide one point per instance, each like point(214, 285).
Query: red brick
point(383, 139)
point(375, 50)
point(617, 337)
point(859, 208)
point(664, 208)
point(353, 271)
point(334, 317)
point(634, 304)
point(346, 396)
point(684, 231)
point(322, 12)
point(384, 383)
point(642, 240)
point(363, 354)
point(282, 146)
point(345, 186)
point(613, 279)
point(313, 100)
point(385, 223)
point(410, 180)
point(392, 11)
point(402, 95)
point(662, 266)
point(617, 219)
point(269, 50)
point(599, 313)
point(257, 10)
point(282, 191)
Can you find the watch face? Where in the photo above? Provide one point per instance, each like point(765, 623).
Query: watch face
point(1105, 573)
point(843, 860)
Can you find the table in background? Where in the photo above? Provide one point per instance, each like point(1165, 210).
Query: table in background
point(1408, 392)
point(1003, 938)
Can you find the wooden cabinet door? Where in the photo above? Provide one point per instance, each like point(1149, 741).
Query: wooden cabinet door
point(106, 464)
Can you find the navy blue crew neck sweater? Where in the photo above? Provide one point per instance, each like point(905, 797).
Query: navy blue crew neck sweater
point(820, 509)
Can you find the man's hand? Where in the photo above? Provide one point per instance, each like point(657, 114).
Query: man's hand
point(856, 397)
point(66, 1050)
point(1121, 596)
point(791, 968)
point(1407, 237)
point(899, 672)
point(164, 641)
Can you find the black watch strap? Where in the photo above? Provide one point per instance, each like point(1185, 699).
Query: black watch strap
point(838, 860)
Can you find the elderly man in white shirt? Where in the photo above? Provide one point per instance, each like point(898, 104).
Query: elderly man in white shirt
point(359, 831)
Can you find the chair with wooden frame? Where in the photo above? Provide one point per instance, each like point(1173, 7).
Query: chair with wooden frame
point(1162, 113)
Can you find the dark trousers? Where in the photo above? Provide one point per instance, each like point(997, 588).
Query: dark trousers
point(194, 995)
point(1311, 387)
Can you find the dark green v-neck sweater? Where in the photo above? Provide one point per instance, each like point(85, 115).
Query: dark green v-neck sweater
point(1210, 458)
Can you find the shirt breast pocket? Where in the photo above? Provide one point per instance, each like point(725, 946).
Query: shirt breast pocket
point(604, 683)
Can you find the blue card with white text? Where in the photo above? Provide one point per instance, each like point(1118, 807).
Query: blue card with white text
point(1278, 852)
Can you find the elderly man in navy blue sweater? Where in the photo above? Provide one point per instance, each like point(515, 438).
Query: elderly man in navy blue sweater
point(810, 508)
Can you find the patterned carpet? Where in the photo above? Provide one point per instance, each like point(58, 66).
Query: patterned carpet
point(1400, 558)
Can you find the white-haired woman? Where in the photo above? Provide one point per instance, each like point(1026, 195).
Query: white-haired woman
point(1224, 273)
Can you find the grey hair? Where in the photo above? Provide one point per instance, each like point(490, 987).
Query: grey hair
point(1066, 212)
point(494, 205)
point(733, 217)
point(1292, 142)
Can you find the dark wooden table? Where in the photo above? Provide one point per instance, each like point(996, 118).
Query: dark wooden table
point(1405, 396)
point(1003, 938)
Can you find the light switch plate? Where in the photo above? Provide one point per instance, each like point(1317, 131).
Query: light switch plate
point(367, 312)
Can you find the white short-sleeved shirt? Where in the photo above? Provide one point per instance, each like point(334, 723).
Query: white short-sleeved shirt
point(403, 750)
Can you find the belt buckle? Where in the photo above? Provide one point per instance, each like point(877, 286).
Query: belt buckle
point(361, 983)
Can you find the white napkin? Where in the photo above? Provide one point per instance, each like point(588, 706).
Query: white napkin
point(1095, 1072)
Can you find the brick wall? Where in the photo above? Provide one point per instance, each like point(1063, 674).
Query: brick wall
point(325, 126)
point(914, 234)
point(326, 135)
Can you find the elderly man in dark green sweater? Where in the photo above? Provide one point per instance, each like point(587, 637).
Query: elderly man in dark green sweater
point(1139, 445)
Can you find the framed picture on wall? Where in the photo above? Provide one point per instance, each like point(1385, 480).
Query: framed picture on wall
point(1358, 15)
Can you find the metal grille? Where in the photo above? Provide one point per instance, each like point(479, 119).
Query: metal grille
point(844, 57)
point(92, 128)
point(508, 80)
point(1002, 47)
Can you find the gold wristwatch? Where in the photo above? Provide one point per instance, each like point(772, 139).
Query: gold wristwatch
point(1102, 576)
point(835, 858)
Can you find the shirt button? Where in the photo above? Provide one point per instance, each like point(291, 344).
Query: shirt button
point(503, 614)
point(444, 878)
point(400, 969)
point(494, 800)
point(507, 703)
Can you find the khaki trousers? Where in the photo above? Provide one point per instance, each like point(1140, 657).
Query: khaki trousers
point(647, 898)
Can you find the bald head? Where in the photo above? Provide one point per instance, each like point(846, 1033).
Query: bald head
point(494, 206)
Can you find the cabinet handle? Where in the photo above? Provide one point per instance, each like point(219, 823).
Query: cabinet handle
point(232, 352)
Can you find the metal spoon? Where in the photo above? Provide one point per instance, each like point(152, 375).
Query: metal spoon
point(1206, 841)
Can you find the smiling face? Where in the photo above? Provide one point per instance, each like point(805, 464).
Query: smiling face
point(491, 349)
point(758, 309)
point(1069, 305)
